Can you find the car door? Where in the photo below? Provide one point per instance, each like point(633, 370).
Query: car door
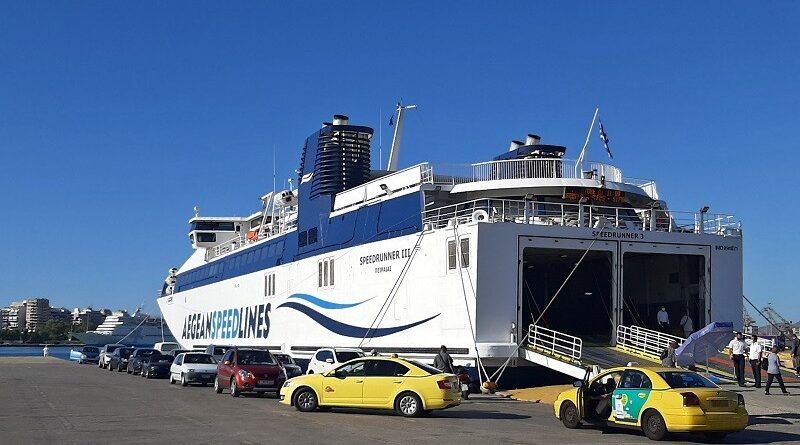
point(383, 379)
point(323, 361)
point(175, 367)
point(630, 396)
point(225, 368)
point(344, 386)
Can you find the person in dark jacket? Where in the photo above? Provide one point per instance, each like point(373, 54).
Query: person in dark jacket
point(796, 355)
point(443, 361)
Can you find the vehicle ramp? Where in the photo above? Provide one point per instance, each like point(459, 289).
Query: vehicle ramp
point(554, 350)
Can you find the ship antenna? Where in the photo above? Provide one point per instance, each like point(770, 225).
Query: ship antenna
point(394, 154)
point(380, 138)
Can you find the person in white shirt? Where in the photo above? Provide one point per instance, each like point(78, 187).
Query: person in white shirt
point(687, 324)
point(663, 320)
point(756, 351)
point(737, 347)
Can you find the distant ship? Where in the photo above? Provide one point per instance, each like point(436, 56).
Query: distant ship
point(120, 327)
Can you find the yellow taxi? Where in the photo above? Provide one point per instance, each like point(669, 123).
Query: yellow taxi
point(406, 386)
point(654, 399)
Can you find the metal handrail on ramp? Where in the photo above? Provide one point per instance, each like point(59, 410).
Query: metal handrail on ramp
point(644, 341)
point(554, 342)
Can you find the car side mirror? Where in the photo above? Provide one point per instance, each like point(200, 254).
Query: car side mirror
point(340, 374)
point(328, 360)
point(578, 383)
point(226, 363)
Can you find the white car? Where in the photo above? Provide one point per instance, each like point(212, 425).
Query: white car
point(165, 347)
point(326, 359)
point(105, 354)
point(193, 367)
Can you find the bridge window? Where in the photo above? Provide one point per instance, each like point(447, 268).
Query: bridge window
point(203, 237)
point(212, 225)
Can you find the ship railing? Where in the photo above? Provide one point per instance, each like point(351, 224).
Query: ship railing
point(544, 168)
point(644, 341)
point(240, 241)
point(579, 215)
point(554, 343)
point(767, 343)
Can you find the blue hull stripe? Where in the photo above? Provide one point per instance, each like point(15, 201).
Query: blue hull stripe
point(326, 304)
point(347, 330)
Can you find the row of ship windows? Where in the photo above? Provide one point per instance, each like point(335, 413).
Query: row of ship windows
point(452, 254)
point(257, 254)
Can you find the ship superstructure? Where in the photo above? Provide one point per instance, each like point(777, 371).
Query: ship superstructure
point(136, 330)
point(468, 256)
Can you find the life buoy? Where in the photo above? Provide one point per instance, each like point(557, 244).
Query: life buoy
point(480, 216)
point(252, 235)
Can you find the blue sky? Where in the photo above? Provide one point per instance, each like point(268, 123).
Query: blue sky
point(117, 118)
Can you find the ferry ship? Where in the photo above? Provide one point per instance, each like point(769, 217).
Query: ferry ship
point(133, 330)
point(467, 256)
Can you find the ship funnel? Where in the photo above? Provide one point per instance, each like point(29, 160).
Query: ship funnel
point(533, 139)
point(340, 119)
point(515, 145)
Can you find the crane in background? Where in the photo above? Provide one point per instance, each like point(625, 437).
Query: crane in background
point(780, 323)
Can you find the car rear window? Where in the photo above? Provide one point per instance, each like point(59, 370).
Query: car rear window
point(686, 379)
point(220, 351)
point(160, 358)
point(125, 353)
point(427, 368)
point(112, 348)
point(90, 349)
point(346, 356)
point(285, 359)
point(200, 359)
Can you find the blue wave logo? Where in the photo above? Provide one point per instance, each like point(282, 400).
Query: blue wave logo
point(319, 302)
point(347, 330)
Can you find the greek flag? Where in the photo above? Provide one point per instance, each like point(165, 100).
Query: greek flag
point(604, 138)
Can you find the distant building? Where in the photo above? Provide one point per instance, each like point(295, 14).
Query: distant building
point(88, 319)
point(37, 313)
point(61, 314)
point(13, 316)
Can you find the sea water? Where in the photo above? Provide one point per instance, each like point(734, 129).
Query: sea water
point(61, 352)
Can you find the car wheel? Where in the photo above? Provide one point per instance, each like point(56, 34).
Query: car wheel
point(715, 437)
point(408, 405)
point(234, 389)
point(119, 368)
point(217, 388)
point(653, 425)
point(305, 400)
point(184, 381)
point(569, 415)
point(171, 380)
point(128, 370)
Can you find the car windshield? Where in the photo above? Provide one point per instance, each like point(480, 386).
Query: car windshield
point(125, 352)
point(427, 368)
point(255, 358)
point(146, 352)
point(220, 351)
point(158, 358)
point(346, 356)
point(90, 349)
point(201, 359)
point(686, 379)
point(110, 349)
point(285, 359)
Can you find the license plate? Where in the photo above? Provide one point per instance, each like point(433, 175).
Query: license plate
point(266, 382)
point(464, 387)
point(719, 403)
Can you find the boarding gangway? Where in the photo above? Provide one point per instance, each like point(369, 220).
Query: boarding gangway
point(555, 350)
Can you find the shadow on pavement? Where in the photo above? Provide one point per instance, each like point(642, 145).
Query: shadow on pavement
point(768, 419)
point(449, 414)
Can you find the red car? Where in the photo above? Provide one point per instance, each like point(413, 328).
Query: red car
point(249, 370)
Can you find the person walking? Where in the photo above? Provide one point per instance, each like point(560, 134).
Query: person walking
point(774, 371)
point(668, 359)
point(737, 347)
point(687, 325)
point(662, 318)
point(755, 354)
point(796, 355)
point(443, 361)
